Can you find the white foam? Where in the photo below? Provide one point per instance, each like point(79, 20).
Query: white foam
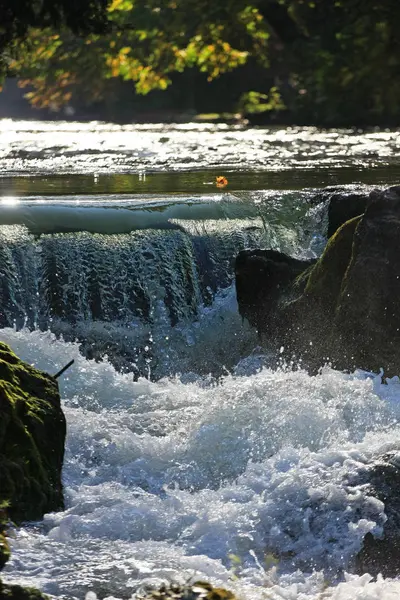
point(180, 480)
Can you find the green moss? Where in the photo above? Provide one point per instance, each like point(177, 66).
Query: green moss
point(5, 552)
point(4, 547)
point(318, 291)
point(301, 280)
point(199, 590)
point(16, 592)
point(32, 434)
point(326, 276)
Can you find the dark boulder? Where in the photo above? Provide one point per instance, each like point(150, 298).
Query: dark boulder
point(367, 318)
point(32, 435)
point(4, 546)
point(381, 480)
point(306, 322)
point(262, 278)
point(347, 311)
point(343, 206)
point(343, 203)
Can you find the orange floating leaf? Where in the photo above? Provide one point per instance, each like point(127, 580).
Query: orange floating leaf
point(221, 181)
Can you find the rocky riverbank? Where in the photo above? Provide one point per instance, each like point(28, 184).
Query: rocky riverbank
point(32, 436)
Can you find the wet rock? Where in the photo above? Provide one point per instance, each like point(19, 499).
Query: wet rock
point(32, 435)
point(16, 592)
point(343, 207)
point(262, 279)
point(347, 311)
point(367, 318)
point(306, 322)
point(199, 590)
point(343, 203)
point(4, 546)
point(382, 555)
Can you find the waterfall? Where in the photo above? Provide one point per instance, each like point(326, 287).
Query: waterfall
point(112, 291)
point(125, 279)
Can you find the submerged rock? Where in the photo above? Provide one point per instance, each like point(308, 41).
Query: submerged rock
point(32, 435)
point(382, 554)
point(344, 309)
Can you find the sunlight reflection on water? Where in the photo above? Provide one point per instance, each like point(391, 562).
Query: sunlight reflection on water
point(30, 146)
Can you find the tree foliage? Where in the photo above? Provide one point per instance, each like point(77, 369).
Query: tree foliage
point(346, 68)
point(146, 44)
point(328, 62)
point(17, 17)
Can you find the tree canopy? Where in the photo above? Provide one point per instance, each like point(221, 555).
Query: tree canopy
point(327, 62)
point(18, 16)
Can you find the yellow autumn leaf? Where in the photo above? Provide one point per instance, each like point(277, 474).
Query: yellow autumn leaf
point(123, 5)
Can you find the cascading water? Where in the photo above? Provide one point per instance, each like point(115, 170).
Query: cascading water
point(125, 294)
point(214, 463)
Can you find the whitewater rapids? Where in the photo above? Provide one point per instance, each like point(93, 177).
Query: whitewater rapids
point(242, 481)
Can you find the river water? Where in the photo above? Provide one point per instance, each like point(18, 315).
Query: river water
point(192, 453)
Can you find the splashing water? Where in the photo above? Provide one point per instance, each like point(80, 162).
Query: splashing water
point(245, 477)
point(137, 293)
point(188, 478)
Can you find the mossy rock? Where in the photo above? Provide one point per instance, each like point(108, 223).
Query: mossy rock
point(367, 318)
point(325, 278)
point(343, 207)
point(305, 324)
point(199, 590)
point(16, 592)
point(32, 435)
point(344, 309)
point(4, 546)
